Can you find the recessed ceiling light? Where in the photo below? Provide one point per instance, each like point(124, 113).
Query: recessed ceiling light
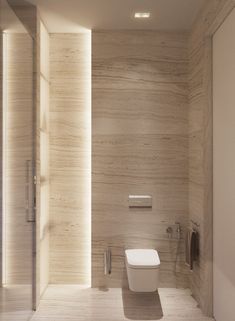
point(142, 15)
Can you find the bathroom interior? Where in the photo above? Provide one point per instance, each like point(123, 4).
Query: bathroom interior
point(117, 160)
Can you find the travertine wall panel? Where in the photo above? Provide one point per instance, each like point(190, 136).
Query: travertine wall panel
point(139, 146)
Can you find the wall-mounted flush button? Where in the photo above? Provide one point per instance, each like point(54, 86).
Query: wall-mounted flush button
point(140, 201)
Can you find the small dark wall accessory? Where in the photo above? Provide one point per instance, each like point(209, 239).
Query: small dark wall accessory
point(192, 247)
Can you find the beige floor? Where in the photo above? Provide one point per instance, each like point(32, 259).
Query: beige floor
point(70, 303)
point(15, 303)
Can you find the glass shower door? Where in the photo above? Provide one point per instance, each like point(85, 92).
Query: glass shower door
point(17, 294)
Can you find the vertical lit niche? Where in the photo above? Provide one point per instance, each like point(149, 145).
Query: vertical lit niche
point(70, 158)
point(88, 55)
point(85, 128)
point(44, 240)
point(4, 109)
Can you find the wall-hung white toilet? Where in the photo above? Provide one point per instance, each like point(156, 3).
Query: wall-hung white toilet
point(143, 267)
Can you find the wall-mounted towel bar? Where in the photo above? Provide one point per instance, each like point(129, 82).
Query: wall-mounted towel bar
point(192, 247)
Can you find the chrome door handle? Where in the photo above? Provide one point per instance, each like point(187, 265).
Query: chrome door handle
point(29, 193)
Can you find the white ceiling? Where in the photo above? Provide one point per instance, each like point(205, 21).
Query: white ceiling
point(8, 20)
point(78, 15)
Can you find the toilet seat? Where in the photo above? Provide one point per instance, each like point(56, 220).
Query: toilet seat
point(142, 259)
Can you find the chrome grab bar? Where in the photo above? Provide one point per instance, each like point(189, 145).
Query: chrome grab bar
point(107, 262)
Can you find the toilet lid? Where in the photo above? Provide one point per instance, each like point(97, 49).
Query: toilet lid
point(142, 258)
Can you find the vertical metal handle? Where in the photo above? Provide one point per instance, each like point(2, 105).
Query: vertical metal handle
point(29, 193)
point(107, 262)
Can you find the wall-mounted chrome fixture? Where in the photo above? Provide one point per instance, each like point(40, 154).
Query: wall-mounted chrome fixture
point(178, 230)
point(169, 231)
point(195, 223)
point(140, 201)
point(107, 261)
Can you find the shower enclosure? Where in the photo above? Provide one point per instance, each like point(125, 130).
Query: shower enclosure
point(18, 256)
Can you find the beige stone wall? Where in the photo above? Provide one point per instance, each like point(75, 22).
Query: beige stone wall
point(139, 146)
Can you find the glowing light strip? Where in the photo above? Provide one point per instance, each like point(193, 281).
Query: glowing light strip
point(88, 120)
point(4, 115)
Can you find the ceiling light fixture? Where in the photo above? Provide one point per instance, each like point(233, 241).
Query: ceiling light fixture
point(142, 15)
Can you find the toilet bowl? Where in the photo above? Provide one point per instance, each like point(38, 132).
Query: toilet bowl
point(143, 267)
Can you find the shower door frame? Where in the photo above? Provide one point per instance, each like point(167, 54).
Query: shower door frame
point(35, 167)
point(31, 168)
point(224, 15)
